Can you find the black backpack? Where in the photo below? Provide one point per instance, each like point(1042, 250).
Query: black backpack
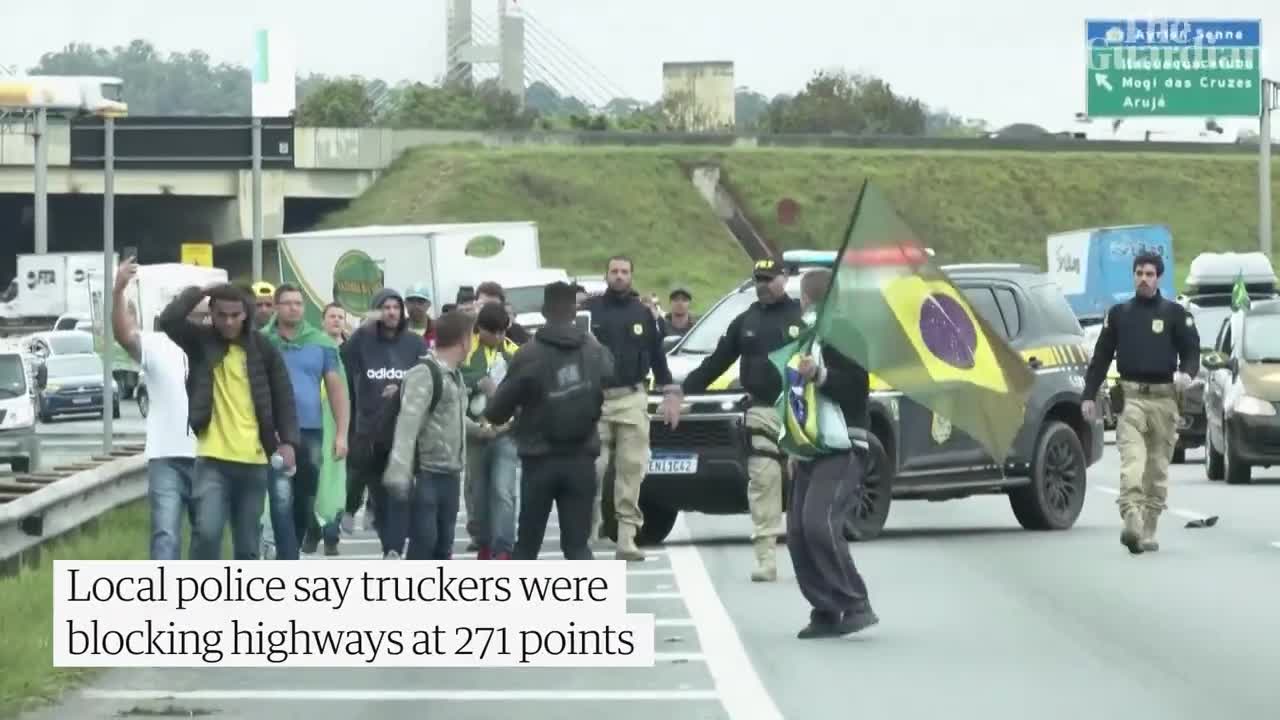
point(572, 398)
point(383, 429)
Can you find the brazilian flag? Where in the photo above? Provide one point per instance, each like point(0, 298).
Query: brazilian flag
point(890, 310)
point(1240, 294)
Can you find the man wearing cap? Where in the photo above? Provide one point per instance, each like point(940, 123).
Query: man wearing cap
point(679, 320)
point(630, 331)
point(264, 303)
point(774, 320)
point(417, 302)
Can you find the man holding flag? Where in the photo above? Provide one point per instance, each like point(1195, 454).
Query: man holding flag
point(885, 311)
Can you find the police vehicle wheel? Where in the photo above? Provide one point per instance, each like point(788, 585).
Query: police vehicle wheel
point(658, 522)
point(1055, 496)
point(869, 516)
point(1179, 455)
point(20, 465)
point(1238, 472)
point(1213, 460)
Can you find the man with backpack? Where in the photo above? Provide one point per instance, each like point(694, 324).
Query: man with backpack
point(556, 382)
point(423, 479)
point(376, 358)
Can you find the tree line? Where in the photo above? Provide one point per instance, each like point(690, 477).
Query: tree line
point(190, 83)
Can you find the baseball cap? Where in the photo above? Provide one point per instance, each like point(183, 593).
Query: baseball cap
point(680, 292)
point(418, 291)
point(766, 270)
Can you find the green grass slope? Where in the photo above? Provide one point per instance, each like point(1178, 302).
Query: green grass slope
point(969, 206)
point(989, 206)
point(588, 205)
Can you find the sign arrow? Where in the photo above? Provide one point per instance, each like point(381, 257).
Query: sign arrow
point(1100, 79)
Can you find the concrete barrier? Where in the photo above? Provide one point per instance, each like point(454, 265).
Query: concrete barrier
point(64, 501)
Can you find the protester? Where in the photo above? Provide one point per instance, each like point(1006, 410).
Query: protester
point(1156, 348)
point(630, 330)
point(376, 359)
point(171, 446)
point(423, 475)
point(825, 487)
point(264, 295)
point(417, 303)
point(335, 323)
point(241, 409)
point(679, 321)
point(314, 369)
point(556, 383)
point(493, 466)
point(770, 323)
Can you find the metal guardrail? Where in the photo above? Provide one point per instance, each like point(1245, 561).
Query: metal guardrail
point(40, 506)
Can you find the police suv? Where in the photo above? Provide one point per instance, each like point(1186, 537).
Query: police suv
point(701, 465)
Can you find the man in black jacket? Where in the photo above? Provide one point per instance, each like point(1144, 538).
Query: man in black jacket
point(825, 489)
point(241, 409)
point(557, 383)
point(770, 323)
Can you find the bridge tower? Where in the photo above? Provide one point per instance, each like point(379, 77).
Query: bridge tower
point(462, 52)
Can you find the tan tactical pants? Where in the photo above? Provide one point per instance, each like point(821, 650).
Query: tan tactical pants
point(1146, 433)
point(624, 436)
point(764, 474)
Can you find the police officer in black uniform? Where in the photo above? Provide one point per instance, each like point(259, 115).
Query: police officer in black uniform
point(629, 329)
point(1156, 347)
point(774, 320)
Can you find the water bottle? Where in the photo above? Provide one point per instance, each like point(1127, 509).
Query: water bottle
point(277, 462)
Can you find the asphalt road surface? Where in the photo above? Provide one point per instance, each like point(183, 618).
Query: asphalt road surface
point(979, 619)
point(74, 438)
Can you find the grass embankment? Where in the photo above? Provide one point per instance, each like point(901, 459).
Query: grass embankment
point(970, 206)
point(589, 204)
point(26, 606)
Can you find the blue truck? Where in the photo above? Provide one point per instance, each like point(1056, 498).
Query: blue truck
point(1094, 266)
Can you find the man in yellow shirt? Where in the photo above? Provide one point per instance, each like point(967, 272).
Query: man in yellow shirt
point(241, 408)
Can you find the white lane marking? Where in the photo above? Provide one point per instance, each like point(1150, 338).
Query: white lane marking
point(1276, 545)
point(741, 692)
point(673, 622)
point(1184, 514)
point(654, 595)
point(406, 695)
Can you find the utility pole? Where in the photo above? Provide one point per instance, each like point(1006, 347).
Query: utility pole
point(1270, 93)
point(257, 198)
point(108, 276)
point(41, 196)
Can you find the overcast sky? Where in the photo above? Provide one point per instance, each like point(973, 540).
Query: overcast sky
point(996, 59)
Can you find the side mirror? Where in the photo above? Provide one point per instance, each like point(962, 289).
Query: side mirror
point(1213, 361)
point(670, 342)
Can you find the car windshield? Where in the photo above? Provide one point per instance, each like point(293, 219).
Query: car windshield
point(525, 299)
point(1262, 338)
point(13, 376)
point(73, 366)
point(1208, 321)
point(72, 343)
point(706, 334)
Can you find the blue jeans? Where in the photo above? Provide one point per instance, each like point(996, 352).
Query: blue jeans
point(292, 500)
point(169, 483)
point(227, 492)
point(495, 490)
point(426, 519)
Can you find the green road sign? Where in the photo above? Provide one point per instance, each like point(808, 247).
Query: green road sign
point(1175, 68)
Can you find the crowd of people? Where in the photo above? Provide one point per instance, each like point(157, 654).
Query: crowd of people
point(282, 431)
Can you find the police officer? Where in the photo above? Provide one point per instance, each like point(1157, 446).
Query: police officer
point(624, 325)
point(1157, 351)
point(774, 320)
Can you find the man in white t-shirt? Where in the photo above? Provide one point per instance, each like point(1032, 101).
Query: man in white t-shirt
point(171, 446)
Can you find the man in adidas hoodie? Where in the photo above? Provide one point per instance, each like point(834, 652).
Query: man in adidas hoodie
point(376, 358)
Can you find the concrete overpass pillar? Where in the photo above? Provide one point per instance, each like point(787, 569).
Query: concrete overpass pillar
point(273, 188)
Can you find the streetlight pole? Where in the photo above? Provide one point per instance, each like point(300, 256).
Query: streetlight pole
point(257, 199)
point(41, 137)
point(108, 277)
point(1269, 92)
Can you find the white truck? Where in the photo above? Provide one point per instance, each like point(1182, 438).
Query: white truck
point(349, 265)
point(49, 286)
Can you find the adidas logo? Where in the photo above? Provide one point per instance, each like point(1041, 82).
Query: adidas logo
point(385, 374)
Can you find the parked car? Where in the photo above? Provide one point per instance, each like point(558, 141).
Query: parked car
point(72, 385)
point(1242, 394)
point(19, 443)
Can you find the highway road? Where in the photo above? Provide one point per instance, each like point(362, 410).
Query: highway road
point(979, 619)
point(76, 438)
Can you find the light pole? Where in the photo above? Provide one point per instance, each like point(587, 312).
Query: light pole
point(1270, 101)
point(108, 275)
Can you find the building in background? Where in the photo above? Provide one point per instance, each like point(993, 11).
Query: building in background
point(699, 96)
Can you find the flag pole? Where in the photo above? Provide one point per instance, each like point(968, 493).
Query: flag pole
point(844, 247)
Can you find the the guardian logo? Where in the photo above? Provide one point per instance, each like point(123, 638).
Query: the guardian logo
point(385, 374)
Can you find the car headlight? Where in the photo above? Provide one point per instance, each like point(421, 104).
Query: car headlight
point(1249, 405)
point(52, 388)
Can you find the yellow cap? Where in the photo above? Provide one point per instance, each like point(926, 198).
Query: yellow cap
point(264, 289)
